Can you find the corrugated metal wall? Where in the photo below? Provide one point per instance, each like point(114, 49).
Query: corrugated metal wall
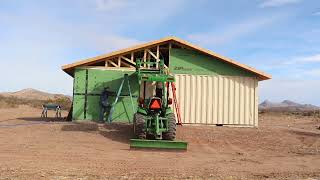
point(206, 99)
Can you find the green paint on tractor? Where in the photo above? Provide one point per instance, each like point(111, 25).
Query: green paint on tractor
point(158, 144)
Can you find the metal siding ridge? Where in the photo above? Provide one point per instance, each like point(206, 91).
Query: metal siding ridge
point(203, 100)
point(236, 100)
point(216, 99)
point(198, 95)
point(185, 105)
point(220, 100)
point(245, 101)
point(241, 104)
point(256, 102)
point(187, 100)
point(231, 100)
point(178, 92)
point(248, 100)
point(225, 101)
point(180, 95)
point(209, 100)
point(206, 99)
point(193, 102)
point(251, 102)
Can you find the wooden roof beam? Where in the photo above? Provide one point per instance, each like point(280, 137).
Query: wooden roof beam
point(128, 60)
point(112, 63)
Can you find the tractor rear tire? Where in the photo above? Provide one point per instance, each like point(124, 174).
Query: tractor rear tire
point(171, 133)
point(139, 126)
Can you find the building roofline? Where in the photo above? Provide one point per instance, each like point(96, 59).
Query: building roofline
point(69, 68)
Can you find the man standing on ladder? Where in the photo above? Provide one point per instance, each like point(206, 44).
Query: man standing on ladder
point(104, 104)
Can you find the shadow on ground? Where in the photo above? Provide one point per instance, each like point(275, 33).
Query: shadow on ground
point(29, 121)
point(83, 127)
point(6, 120)
point(40, 119)
point(303, 132)
point(120, 132)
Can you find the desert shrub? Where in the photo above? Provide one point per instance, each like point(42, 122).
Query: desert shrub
point(3, 104)
point(13, 102)
point(8, 102)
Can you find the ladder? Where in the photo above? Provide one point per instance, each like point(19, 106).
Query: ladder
point(176, 105)
point(125, 78)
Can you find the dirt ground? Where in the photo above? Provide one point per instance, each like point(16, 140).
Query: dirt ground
point(283, 147)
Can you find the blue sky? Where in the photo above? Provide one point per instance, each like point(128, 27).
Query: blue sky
point(280, 37)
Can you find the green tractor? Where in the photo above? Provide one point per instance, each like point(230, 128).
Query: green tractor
point(154, 122)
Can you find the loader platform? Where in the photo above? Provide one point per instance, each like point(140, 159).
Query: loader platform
point(158, 144)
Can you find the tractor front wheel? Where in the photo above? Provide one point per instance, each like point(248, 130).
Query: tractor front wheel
point(171, 133)
point(139, 126)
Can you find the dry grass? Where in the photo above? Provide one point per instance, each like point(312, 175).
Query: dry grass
point(13, 102)
point(311, 113)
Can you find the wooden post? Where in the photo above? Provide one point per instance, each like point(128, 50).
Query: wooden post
point(127, 59)
point(132, 57)
point(119, 61)
point(126, 64)
point(112, 63)
point(148, 59)
point(158, 56)
point(145, 57)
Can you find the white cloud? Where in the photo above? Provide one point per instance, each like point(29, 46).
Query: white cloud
point(313, 72)
point(312, 58)
point(277, 3)
point(293, 63)
point(303, 60)
point(303, 91)
point(316, 13)
point(234, 31)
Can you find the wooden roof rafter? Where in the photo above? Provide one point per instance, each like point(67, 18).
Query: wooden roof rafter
point(69, 68)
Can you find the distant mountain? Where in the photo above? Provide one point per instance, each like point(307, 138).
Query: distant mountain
point(286, 105)
point(30, 93)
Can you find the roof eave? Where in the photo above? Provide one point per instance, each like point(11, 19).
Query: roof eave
point(69, 68)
